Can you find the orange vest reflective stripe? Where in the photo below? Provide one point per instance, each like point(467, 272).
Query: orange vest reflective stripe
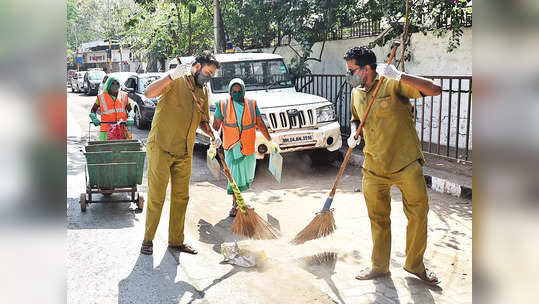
point(231, 132)
point(112, 110)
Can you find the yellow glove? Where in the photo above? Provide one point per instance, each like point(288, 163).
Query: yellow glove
point(274, 147)
point(212, 151)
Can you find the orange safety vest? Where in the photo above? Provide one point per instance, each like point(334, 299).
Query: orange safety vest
point(231, 132)
point(112, 110)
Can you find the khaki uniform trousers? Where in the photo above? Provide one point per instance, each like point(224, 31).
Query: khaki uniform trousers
point(163, 166)
point(376, 189)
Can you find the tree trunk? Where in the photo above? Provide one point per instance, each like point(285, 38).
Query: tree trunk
point(190, 34)
point(178, 13)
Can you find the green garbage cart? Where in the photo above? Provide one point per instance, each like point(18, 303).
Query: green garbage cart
point(114, 166)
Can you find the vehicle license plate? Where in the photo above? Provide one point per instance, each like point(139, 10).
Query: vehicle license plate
point(288, 139)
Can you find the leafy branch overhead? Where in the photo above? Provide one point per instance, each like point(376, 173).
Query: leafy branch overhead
point(438, 16)
point(161, 29)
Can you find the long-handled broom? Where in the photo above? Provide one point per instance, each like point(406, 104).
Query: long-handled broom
point(247, 222)
point(323, 223)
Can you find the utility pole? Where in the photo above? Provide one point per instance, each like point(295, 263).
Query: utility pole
point(110, 56)
point(121, 56)
point(192, 10)
point(218, 28)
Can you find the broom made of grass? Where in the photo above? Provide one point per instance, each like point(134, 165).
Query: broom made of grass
point(323, 223)
point(247, 222)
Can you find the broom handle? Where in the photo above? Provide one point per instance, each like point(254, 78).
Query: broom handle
point(226, 170)
point(345, 162)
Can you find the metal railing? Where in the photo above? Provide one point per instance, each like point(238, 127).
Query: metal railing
point(443, 123)
point(357, 30)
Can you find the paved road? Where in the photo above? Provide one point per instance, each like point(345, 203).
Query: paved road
point(104, 265)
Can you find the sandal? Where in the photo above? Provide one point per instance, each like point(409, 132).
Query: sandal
point(369, 274)
point(147, 248)
point(183, 248)
point(427, 276)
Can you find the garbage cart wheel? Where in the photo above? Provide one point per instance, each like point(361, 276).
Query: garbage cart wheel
point(82, 202)
point(140, 202)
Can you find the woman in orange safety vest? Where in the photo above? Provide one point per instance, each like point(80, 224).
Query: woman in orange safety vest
point(240, 117)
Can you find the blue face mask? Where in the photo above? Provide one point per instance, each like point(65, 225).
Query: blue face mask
point(237, 96)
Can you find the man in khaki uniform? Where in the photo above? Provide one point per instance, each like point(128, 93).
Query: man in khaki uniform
point(170, 145)
point(392, 157)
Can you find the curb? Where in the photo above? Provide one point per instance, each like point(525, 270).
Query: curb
point(446, 186)
point(435, 183)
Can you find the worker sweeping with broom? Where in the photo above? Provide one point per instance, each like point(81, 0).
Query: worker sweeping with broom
point(392, 157)
point(182, 108)
point(240, 117)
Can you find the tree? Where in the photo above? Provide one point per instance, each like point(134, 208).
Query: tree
point(90, 20)
point(310, 21)
point(250, 24)
point(438, 16)
point(156, 31)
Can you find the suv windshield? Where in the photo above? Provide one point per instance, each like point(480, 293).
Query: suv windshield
point(144, 82)
point(96, 75)
point(257, 75)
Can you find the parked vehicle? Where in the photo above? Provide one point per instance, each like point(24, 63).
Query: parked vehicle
point(70, 74)
point(297, 121)
point(144, 107)
point(91, 81)
point(76, 82)
point(121, 76)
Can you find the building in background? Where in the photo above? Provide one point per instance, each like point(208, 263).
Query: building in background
point(109, 56)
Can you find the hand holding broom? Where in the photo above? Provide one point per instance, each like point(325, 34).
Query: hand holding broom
point(247, 222)
point(323, 223)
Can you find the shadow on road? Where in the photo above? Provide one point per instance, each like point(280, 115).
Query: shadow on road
point(386, 291)
point(146, 284)
point(322, 266)
point(421, 293)
point(100, 216)
point(218, 233)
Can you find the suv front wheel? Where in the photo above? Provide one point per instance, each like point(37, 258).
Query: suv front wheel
point(139, 122)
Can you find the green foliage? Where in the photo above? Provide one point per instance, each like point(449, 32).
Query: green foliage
point(438, 16)
point(90, 20)
point(249, 24)
point(159, 29)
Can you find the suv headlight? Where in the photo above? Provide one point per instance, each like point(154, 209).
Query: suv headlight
point(325, 113)
point(150, 102)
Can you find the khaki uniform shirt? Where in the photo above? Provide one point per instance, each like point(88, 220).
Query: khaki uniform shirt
point(391, 141)
point(177, 117)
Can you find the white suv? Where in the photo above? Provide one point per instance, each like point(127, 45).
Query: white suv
point(295, 120)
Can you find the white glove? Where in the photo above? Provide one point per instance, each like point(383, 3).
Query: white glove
point(389, 71)
point(179, 71)
point(217, 141)
point(352, 142)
